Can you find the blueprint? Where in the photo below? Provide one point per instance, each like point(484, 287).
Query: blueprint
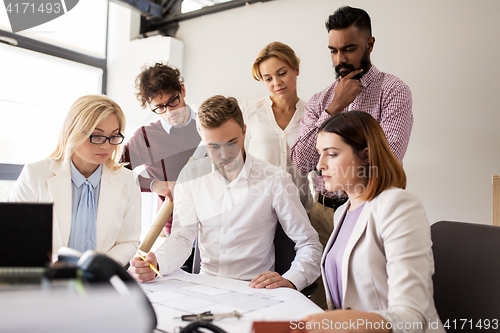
point(181, 293)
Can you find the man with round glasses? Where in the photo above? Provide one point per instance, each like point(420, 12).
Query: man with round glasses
point(165, 146)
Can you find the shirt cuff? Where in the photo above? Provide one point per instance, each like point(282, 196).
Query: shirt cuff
point(297, 278)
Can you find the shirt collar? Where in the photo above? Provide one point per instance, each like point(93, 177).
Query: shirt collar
point(78, 179)
point(168, 126)
point(368, 78)
point(244, 172)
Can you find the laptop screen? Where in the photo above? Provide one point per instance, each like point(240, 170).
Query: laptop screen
point(25, 234)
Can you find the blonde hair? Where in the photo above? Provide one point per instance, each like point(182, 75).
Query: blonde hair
point(278, 50)
point(82, 118)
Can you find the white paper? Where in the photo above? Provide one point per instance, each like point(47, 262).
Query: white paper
point(200, 293)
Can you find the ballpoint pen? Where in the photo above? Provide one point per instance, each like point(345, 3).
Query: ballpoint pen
point(150, 265)
point(209, 316)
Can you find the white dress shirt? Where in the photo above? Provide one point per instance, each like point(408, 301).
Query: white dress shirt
point(267, 141)
point(237, 222)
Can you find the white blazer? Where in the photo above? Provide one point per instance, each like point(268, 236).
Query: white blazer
point(387, 265)
point(118, 212)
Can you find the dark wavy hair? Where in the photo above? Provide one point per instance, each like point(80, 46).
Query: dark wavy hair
point(346, 16)
point(360, 130)
point(156, 79)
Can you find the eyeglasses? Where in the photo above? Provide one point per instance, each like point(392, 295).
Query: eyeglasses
point(159, 109)
point(101, 139)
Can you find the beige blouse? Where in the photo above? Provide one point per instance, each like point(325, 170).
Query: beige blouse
point(267, 141)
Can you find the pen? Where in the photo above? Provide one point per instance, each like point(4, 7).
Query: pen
point(150, 265)
point(209, 316)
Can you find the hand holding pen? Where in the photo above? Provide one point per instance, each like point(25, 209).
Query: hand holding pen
point(144, 268)
point(150, 265)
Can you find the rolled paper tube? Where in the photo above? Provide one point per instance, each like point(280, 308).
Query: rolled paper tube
point(157, 226)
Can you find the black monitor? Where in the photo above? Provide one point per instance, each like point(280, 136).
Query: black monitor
point(25, 234)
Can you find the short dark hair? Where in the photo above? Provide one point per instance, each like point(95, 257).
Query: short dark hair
point(157, 79)
point(346, 16)
point(216, 110)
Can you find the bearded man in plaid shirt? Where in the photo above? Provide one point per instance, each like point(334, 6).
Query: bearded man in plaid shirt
point(359, 86)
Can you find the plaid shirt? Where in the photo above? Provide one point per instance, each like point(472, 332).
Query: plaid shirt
point(384, 96)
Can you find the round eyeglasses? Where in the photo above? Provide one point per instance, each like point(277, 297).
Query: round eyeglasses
point(160, 109)
point(101, 139)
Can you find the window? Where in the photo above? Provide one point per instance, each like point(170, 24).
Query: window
point(82, 29)
point(36, 90)
point(54, 64)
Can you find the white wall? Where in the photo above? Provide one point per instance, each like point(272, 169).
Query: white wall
point(445, 50)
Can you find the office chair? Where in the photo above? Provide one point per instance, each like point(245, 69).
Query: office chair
point(467, 275)
point(284, 253)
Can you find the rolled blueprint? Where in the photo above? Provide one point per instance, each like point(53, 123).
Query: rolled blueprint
point(156, 227)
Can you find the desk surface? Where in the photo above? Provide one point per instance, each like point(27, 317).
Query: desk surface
point(181, 293)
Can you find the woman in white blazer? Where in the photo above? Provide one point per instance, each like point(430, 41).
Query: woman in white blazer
point(378, 263)
point(97, 203)
point(273, 121)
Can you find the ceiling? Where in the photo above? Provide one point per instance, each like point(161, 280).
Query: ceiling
point(190, 5)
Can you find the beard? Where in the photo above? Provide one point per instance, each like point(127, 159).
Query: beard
point(348, 68)
point(230, 167)
point(183, 115)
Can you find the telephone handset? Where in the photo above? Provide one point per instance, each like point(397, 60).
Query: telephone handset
point(93, 268)
point(97, 267)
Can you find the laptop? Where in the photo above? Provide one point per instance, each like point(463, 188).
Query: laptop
point(25, 241)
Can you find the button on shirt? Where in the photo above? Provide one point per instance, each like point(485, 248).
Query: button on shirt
point(237, 222)
point(384, 96)
point(77, 181)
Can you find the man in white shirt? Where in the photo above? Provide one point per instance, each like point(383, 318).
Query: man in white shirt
point(235, 201)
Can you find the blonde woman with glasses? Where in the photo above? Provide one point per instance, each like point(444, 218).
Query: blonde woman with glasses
point(97, 203)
